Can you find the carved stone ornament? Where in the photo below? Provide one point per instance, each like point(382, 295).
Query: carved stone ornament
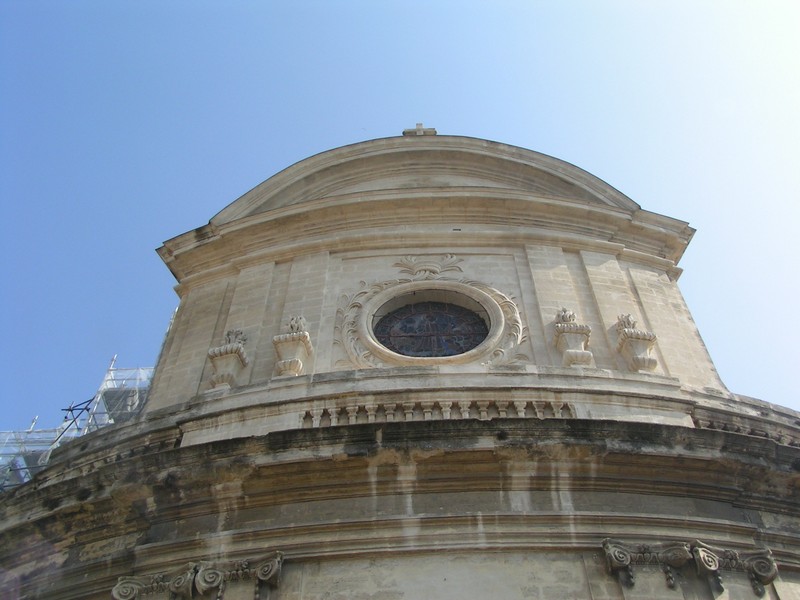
point(572, 339)
point(353, 332)
point(758, 564)
point(228, 360)
point(427, 267)
point(333, 414)
point(293, 347)
point(197, 578)
point(635, 344)
point(708, 561)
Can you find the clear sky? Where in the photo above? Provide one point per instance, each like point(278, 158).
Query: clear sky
point(123, 124)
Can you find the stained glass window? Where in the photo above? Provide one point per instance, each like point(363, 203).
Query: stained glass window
point(429, 329)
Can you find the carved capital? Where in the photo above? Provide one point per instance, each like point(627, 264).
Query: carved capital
point(179, 584)
point(709, 561)
point(621, 558)
point(758, 564)
point(197, 578)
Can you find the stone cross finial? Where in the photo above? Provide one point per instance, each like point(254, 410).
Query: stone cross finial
point(420, 130)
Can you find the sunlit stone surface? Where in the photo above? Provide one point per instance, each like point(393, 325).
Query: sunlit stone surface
point(582, 447)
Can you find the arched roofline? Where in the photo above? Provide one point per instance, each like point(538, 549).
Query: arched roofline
point(509, 167)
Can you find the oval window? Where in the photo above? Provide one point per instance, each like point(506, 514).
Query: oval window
point(431, 329)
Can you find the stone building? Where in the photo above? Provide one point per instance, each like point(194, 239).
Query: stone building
point(423, 367)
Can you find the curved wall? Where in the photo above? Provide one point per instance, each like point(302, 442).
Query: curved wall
point(586, 448)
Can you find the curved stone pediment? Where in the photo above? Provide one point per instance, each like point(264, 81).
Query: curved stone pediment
point(429, 162)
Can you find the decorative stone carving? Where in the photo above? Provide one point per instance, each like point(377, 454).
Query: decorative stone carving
point(179, 584)
point(197, 578)
point(293, 347)
point(758, 564)
point(297, 324)
point(635, 344)
point(572, 339)
point(228, 360)
point(427, 267)
point(437, 411)
point(708, 560)
point(620, 559)
point(354, 335)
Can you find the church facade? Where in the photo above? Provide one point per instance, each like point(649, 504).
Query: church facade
point(424, 367)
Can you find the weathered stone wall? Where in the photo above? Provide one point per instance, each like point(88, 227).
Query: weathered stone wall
point(585, 449)
point(385, 510)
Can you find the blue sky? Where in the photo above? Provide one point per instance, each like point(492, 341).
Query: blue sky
point(123, 124)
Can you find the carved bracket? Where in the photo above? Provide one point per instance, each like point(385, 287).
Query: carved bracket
point(709, 561)
point(293, 347)
point(635, 344)
point(196, 578)
point(228, 360)
point(572, 339)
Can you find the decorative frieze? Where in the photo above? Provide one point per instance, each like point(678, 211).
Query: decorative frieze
point(635, 344)
point(708, 561)
point(228, 360)
point(197, 578)
point(572, 339)
point(293, 347)
point(484, 410)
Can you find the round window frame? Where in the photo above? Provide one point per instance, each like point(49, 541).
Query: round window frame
point(434, 291)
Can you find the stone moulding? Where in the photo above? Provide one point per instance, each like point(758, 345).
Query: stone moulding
point(708, 560)
point(228, 360)
point(635, 344)
point(197, 578)
point(389, 412)
point(572, 339)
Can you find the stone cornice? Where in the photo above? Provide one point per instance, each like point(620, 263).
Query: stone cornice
point(249, 406)
point(341, 224)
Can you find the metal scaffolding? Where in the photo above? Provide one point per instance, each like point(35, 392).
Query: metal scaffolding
point(120, 397)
